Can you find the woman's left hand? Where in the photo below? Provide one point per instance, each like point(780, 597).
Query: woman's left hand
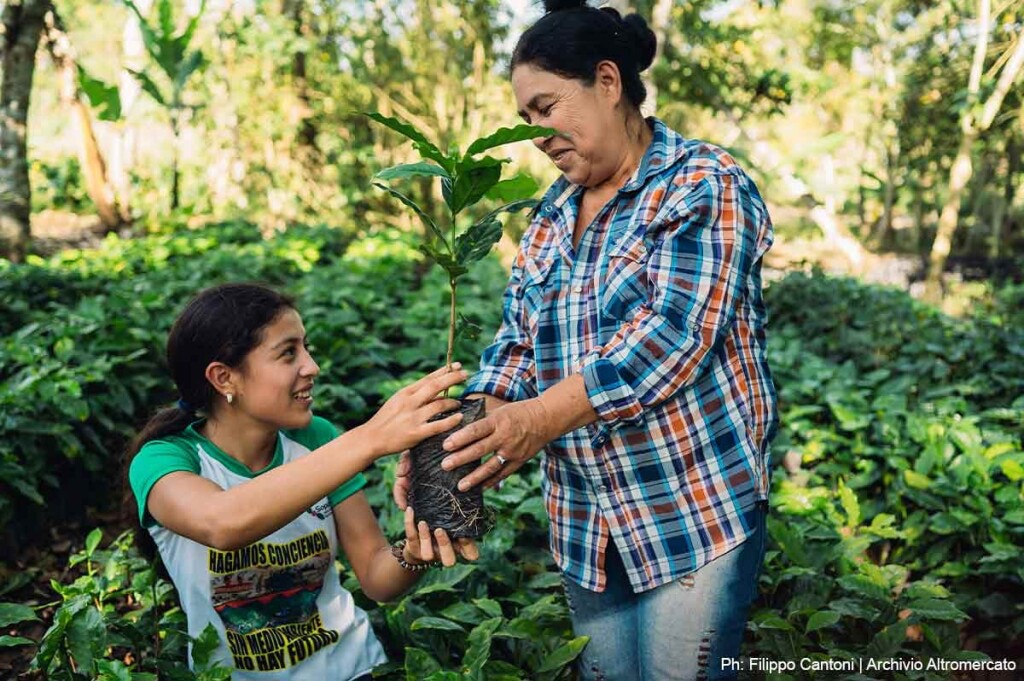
point(422, 547)
point(515, 433)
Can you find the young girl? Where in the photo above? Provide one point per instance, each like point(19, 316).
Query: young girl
point(248, 496)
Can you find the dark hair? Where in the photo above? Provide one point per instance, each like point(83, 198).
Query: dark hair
point(572, 38)
point(221, 324)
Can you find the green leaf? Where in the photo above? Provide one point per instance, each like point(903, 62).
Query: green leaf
point(406, 170)
point(426, 148)
point(113, 670)
point(461, 611)
point(476, 242)
point(104, 98)
point(427, 220)
point(821, 620)
point(937, 609)
point(437, 623)
point(150, 87)
point(444, 580)
point(490, 606)
point(512, 207)
point(204, 646)
point(916, 480)
point(479, 649)
point(563, 655)
point(850, 505)
point(87, 636)
point(13, 613)
point(15, 641)
point(471, 182)
point(419, 664)
point(503, 136)
point(521, 186)
point(92, 541)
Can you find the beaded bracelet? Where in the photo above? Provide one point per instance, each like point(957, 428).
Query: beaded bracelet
point(398, 551)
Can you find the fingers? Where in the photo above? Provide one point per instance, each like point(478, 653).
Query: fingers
point(444, 547)
point(467, 548)
point(412, 537)
point(426, 545)
point(470, 434)
point(426, 388)
point(470, 454)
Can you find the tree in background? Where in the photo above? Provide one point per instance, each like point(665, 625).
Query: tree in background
point(170, 51)
point(978, 113)
point(21, 24)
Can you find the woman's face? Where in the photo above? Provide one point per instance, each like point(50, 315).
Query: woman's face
point(589, 146)
point(276, 378)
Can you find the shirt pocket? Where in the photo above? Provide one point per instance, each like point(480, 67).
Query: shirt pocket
point(624, 288)
point(534, 286)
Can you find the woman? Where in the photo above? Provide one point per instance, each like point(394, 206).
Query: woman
point(632, 352)
point(248, 496)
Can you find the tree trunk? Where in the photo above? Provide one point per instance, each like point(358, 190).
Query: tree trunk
point(22, 26)
point(960, 173)
point(309, 152)
point(122, 152)
point(93, 166)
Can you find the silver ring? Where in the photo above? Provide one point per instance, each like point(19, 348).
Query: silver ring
point(501, 460)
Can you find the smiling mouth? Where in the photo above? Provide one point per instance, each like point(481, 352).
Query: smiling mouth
point(303, 395)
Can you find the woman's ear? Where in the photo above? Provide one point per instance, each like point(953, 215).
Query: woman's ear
point(221, 377)
point(608, 81)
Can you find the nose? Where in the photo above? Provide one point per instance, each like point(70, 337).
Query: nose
point(310, 367)
point(540, 142)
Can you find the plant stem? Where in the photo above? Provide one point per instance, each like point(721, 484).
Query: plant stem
point(451, 330)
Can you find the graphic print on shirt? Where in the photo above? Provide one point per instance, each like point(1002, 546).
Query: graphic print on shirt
point(266, 597)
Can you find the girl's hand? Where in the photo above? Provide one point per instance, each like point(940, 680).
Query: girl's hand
point(404, 420)
point(420, 547)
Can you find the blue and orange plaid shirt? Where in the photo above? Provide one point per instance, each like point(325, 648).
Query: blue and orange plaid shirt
point(659, 307)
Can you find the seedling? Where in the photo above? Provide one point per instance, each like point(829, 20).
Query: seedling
point(455, 245)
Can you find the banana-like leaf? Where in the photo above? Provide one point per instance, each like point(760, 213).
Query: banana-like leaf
point(187, 67)
point(104, 98)
point(149, 86)
point(427, 220)
point(421, 169)
point(476, 242)
point(508, 135)
point(426, 148)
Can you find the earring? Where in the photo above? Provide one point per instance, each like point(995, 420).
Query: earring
point(230, 397)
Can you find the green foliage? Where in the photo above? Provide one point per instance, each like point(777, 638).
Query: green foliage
point(897, 519)
point(900, 503)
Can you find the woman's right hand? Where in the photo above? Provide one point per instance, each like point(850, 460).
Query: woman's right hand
point(403, 421)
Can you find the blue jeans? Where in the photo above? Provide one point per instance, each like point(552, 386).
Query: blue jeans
point(680, 630)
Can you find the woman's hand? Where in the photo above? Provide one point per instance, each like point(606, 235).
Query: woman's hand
point(420, 547)
point(404, 420)
point(515, 432)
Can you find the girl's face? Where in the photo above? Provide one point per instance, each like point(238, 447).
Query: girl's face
point(588, 148)
point(275, 381)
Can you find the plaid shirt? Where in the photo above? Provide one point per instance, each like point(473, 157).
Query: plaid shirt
point(659, 307)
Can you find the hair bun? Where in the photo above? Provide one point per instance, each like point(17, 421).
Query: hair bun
point(643, 38)
point(559, 5)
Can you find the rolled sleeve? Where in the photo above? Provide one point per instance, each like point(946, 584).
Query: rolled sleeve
point(507, 369)
point(697, 275)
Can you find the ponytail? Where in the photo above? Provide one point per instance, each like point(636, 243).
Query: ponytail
point(167, 421)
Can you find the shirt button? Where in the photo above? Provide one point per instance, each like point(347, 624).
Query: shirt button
point(577, 289)
point(602, 488)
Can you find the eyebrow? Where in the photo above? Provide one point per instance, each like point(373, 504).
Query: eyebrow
point(291, 340)
point(532, 104)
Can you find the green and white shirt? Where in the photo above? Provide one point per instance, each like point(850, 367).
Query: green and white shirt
point(278, 603)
